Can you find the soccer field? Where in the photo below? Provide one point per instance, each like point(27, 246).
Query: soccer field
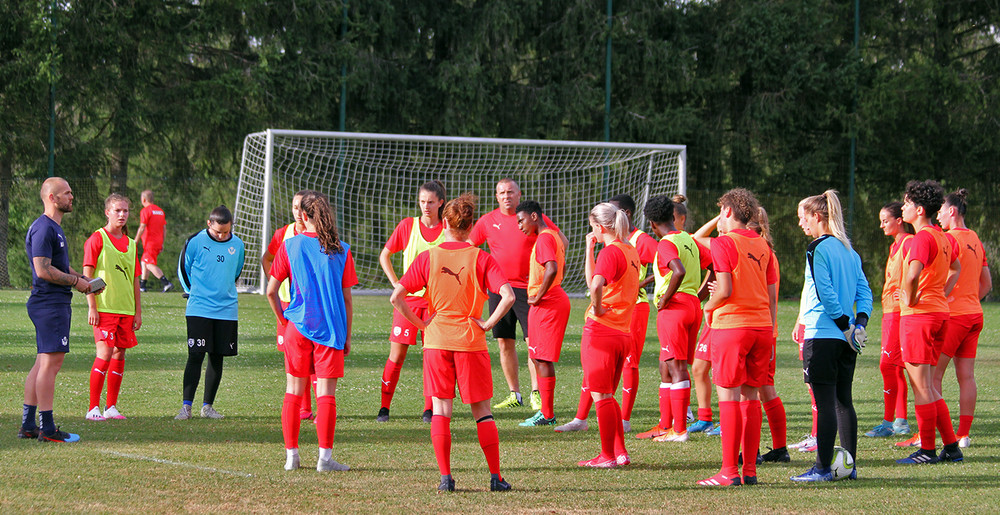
point(153, 463)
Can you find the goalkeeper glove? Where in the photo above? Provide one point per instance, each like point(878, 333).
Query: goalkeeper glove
point(856, 336)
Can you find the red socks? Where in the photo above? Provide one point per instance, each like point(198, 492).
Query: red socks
point(750, 410)
point(583, 409)
point(927, 422)
point(630, 385)
point(619, 431)
point(390, 378)
point(964, 424)
point(666, 416)
point(731, 420)
point(326, 420)
point(115, 373)
point(290, 421)
point(607, 422)
point(901, 385)
point(680, 397)
point(489, 440)
point(889, 390)
point(97, 375)
point(705, 414)
point(777, 422)
point(547, 388)
point(428, 404)
point(441, 440)
point(305, 405)
point(944, 423)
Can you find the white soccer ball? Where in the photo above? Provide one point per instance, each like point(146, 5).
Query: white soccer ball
point(842, 464)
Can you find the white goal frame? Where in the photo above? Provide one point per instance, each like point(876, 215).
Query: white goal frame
point(276, 163)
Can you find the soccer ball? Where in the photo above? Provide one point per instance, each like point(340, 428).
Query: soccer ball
point(842, 465)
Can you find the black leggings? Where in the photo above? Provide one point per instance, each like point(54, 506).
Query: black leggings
point(192, 373)
point(835, 414)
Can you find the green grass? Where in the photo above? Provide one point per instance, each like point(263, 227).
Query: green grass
point(235, 464)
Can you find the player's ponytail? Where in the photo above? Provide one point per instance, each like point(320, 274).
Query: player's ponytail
point(317, 208)
point(827, 206)
point(680, 206)
point(118, 197)
point(611, 218)
point(437, 188)
point(460, 212)
point(957, 201)
point(762, 226)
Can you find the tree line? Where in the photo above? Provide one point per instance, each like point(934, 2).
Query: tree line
point(767, 95)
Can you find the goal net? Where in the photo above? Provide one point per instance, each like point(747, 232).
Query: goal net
point(372, 182)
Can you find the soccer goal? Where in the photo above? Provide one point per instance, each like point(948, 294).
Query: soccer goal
point(372, 182)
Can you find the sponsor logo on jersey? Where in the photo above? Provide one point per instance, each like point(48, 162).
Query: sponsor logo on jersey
point(396, 330)
point(497, 226)
point(232, 250)
point(65, 341)
point(191, 342)
point(446, 270)
point(760, 265)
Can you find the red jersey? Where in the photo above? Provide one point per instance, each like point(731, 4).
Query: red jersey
point(936, 250)
point(401, 234)
point(95, 243)
point(964, 298)
point(279, 237)
point(510, 246)
point(893, 276)
point(548, 247)
point(618, 264)
point(152, 216)
point(748, 258)
point(281, 270)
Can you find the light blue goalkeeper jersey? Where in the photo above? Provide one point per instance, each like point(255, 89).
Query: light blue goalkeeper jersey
point(208, 270)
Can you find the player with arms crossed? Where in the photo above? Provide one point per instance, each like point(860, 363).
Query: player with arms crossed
point(890, 363)
point(209, 266)
point(549, 311)
point(317, 323)
point(150, 234)
point(49, 310)
point(511, 248)
point(457, 277)
point(678, 316)
point(117, 313)
point(411, 237)
point(966, 321)
point(930, 270)
point(613, 279)
point(835, 287)
point(741, 312)
point(284, 295)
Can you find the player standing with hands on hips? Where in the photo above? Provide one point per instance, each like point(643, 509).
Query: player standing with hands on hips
point(209, 266)
point(317, 323)
point(117, 313)
point(49, 310)
point(835, 287)
point(457, 277)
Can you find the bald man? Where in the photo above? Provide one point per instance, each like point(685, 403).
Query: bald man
point(52, 283)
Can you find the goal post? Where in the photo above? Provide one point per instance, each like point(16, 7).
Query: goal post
point(372, 182)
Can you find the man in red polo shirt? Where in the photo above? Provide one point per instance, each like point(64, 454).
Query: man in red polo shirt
point(150, 234)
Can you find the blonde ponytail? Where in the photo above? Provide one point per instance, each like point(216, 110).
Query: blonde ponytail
point(827, 206)
point(612, 218)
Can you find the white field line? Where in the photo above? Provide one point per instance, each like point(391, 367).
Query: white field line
point(175, 463)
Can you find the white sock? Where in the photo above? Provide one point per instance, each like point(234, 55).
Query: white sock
point(292, 453)
point(680, 385)
point(325, 454)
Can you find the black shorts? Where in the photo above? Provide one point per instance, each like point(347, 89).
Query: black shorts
point(828, 361)
point(507, 326)
point(212, 335)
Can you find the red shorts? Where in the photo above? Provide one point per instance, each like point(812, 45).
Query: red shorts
point(677, 327)
point(403, 331)
point(638, 326)
point(703, 349)
point(921, 337)
point(772, 367)
point(470, 371)
point(150, 253)
point(547, 326)
point(281, 330)
point(741, 356)
point(891, 352)
point(962, 338)
point(115, 330)
point(602, 355)
point(304, 356)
